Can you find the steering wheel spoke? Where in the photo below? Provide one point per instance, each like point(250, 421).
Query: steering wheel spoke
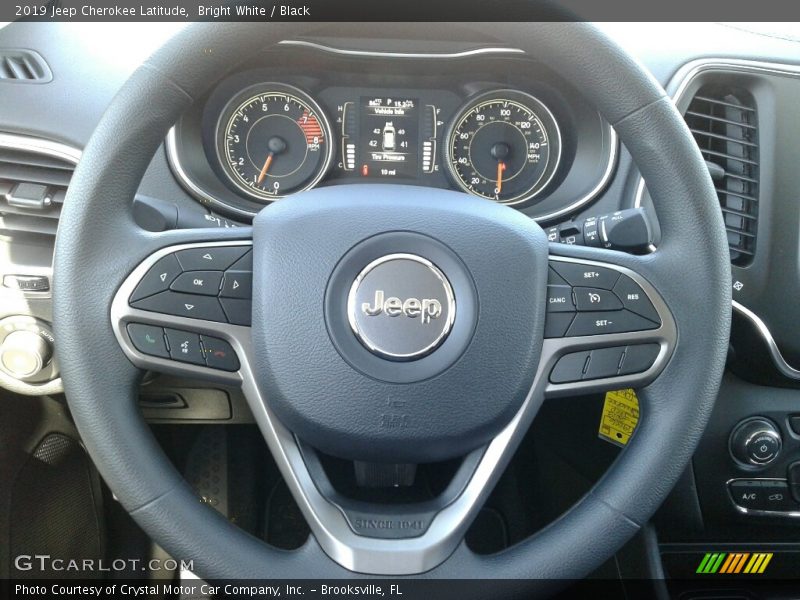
point(607, 326)
point(186, 309)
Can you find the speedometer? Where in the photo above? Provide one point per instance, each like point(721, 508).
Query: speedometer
point(274, 140)
point(503, 145)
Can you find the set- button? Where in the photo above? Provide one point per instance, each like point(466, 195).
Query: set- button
point(585, 300)
point(208, 283)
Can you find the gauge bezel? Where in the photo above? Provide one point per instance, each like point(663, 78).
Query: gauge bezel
point(536, 107)
point(246, 96)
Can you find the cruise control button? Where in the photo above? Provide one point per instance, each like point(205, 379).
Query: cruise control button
point(559, 298)
point(604, 362)
point(148, 339)
point(205, 283)
point(217, 258)
point(183, 305)
point(158, 278)
point(578, 274)
point(556, 324)
point(634, 298)
point(238, 311)
point(596, 323)
point(237, 284)
point(185, 346)
point(639, 358)
point(219, 354)
point(569, 368)
point(587, 298)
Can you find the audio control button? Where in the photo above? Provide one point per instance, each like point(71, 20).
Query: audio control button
point(755, 442)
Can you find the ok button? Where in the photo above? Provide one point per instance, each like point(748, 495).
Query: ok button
point(205, 283)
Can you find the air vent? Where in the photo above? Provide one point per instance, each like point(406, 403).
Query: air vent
point(33, 184)
point(724, 122)
point(23, 66)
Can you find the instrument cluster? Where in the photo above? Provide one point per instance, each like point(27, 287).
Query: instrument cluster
point(509, 131)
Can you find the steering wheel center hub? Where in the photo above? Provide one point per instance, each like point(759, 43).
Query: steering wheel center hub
point(382, 320)
point(401, 306)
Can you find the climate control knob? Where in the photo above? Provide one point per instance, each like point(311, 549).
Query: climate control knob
point(755, 442)
point(23, 354)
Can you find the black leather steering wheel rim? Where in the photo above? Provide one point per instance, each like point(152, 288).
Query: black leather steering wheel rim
point(98, 244)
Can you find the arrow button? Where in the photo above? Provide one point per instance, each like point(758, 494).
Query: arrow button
point(158, 278)
point(237, 284)
point(217, 258)
point(183, 305)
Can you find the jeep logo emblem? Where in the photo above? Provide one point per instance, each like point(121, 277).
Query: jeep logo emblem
point(392, 297)
point(426, 309)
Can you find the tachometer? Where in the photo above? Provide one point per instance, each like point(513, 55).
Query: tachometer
point(274, 140)
point(503, 145)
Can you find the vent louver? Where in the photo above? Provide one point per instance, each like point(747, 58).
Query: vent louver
point(32, 190)
point(724, 122)
point(23, 66)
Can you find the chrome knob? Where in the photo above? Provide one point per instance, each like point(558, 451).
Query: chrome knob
point(756, 442)
point(23, 354)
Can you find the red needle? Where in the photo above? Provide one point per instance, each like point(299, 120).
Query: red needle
point(501, 166)
point(265, 168)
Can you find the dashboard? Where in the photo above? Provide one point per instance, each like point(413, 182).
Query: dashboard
point(486, 122)
point(472, 116)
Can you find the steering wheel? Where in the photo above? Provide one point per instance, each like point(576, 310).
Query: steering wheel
point(389, 324)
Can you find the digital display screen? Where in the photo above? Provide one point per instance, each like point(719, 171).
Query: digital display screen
point(389, 140)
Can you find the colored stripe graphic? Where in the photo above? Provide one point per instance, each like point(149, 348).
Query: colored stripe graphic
point(728, 562)
point(711, 562)
point(755, 562)
point(735, 562)
point(767, 558)
point(740, 563)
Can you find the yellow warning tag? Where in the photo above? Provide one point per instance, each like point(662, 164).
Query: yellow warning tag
point(620, 416)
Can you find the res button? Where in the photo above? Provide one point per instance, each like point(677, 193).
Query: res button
point(634, 298)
